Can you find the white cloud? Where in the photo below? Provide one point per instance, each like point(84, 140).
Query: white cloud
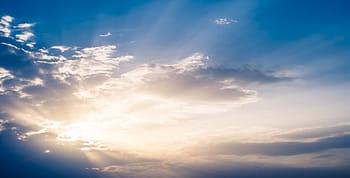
point(24, 36)
point(25, 25)
point(61, 48)
point(225, 21)
point(106, 35)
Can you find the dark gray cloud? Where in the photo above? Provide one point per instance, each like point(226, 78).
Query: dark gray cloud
point(258, 171)
point(191, 87)
point(192, 79)
point(275, 148)
point(311, 133)
point(22, 159)
point(246, 74)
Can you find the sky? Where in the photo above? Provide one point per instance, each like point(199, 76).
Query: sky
point(181, 89)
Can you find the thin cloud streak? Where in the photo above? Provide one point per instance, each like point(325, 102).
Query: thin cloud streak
point(105, 35)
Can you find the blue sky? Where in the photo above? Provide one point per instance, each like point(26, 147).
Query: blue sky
point(174, 88)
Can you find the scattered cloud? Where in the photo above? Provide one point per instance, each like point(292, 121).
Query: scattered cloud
point(21, 32)
point(5, 25)
point(225, 21)
point(106, 34)
point(88, 80)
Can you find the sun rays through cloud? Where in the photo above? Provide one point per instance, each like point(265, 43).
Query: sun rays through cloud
point(174, 89)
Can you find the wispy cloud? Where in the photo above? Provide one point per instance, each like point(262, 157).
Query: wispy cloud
point(277, 148)
point(31, 44)
point(25, 25)
point(106, 34)
point(61, 48)
point(225, 21)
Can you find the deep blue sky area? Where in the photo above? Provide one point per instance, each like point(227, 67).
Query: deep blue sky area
point(201, 73)
point(170, 28)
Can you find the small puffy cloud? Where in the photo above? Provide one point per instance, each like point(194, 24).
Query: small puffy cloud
point(225, 21)
point(7, 18)
point(25, 25)
point(106, 34)
point(24, 36)
point(61, 48)
point(31, 44)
